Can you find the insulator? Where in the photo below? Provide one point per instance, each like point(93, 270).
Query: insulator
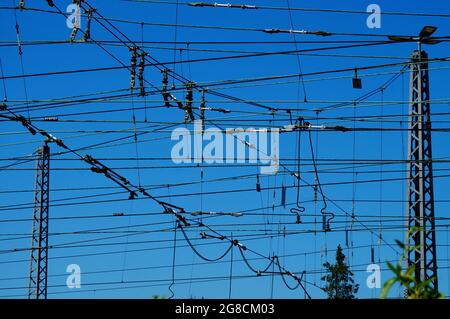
point(179, 103)
point(202, 112)
point(98, 170)
point(88, 159)
point(315, 193)
point(189, 100)
point(51, 119)
point(87, 33)
point(165, 82)
point(202, 118)
point(283, 196)
point(132, 195)
point(186, 117)
point(380, 236)
point(357, 84)
point(22, 4)
point(325, 224)
point(221, 110)
point(76, 24)
point(133, 67)
point(372, 255)
point(141, 74)
point(346, 237)
point(73, 34)
point(258, 184)
point(26, 124)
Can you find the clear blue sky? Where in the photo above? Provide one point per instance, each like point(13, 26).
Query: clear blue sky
point(139, 265)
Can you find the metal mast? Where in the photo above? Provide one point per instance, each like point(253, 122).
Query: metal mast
point(421, 236)
point(39, 238)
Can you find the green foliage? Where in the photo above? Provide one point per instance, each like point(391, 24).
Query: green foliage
point(406, 278)
point(158, 297)
point(339, 281)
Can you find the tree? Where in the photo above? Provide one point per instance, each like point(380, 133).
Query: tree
point(415, 288)
point(339, 281)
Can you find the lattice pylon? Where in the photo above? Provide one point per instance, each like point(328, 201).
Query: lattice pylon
point(421, 237)
point(37, 288)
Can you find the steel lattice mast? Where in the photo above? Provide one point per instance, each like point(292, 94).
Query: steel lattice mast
point(39, 238)
point(421, 236)
point(421, 231)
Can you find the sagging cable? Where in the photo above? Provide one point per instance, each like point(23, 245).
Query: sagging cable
point(198, 253)
point(258, 272)
point(284, 273)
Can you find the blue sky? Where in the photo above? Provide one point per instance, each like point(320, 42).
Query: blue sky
point(140, 265)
